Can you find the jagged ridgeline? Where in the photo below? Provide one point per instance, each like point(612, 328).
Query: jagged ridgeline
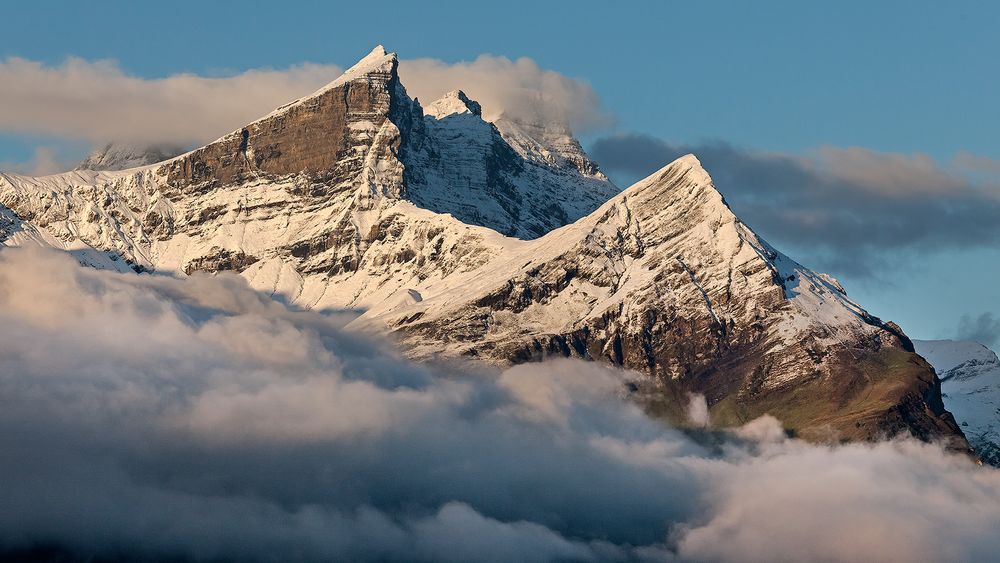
point(499, 241)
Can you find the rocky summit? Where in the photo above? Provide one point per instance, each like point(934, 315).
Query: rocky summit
point(503, 242)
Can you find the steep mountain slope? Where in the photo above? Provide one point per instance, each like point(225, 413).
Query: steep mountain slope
point(970, 384)
point(664, 279)
point(353, 197)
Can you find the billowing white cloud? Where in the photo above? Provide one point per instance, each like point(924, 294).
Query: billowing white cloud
point(100, 102)
point(146, 416)
point(519, 88)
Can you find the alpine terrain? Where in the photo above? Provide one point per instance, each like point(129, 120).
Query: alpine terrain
point(503, 242)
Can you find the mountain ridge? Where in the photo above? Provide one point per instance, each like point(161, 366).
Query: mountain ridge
point(354, 197)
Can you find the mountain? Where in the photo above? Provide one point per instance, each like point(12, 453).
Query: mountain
point(502, 242)
point(970, 384)
point(121, 156)
point(521, 182)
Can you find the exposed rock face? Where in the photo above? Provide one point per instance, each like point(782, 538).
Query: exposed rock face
point(353, 197)
point(324, 137)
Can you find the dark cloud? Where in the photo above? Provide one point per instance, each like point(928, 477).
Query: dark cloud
point(851, 208)
point(984, 329)
point(145, 416)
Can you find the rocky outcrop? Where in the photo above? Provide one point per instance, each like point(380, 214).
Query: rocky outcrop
point(323, 137)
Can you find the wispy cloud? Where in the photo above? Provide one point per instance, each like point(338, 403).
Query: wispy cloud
point(984, 329)
point(850, 206)
point(45, 160)
point(519, 88)
point(144, 416)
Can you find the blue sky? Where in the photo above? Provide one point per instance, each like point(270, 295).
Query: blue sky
point(789, 77)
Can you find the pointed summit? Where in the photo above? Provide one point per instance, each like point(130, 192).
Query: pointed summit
point(307, 136)
point(687, 174)
point(451, 103)
point(376, 63)
point(373, 56)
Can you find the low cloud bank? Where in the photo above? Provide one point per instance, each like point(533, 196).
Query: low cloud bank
point(850, 207)
point(144, 416)
point(100, 102)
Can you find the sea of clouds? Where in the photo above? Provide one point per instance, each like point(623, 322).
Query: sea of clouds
point(143, 416)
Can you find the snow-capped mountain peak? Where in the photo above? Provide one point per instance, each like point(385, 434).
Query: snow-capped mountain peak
point(377, 62)
point(451, 103)
point(500, 241)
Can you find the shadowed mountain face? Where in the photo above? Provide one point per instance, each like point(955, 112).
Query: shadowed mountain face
point(356, 197)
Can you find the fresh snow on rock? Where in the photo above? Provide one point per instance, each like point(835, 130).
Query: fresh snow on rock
point(497, 175)
point(454, 102)
point(674, 221)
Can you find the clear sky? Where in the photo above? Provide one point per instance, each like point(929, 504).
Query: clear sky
point(786, 77)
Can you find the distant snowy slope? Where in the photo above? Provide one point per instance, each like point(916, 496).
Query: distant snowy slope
point(121, 156)
point(970, 383)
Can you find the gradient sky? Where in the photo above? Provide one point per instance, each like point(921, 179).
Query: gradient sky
point(906, 77)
